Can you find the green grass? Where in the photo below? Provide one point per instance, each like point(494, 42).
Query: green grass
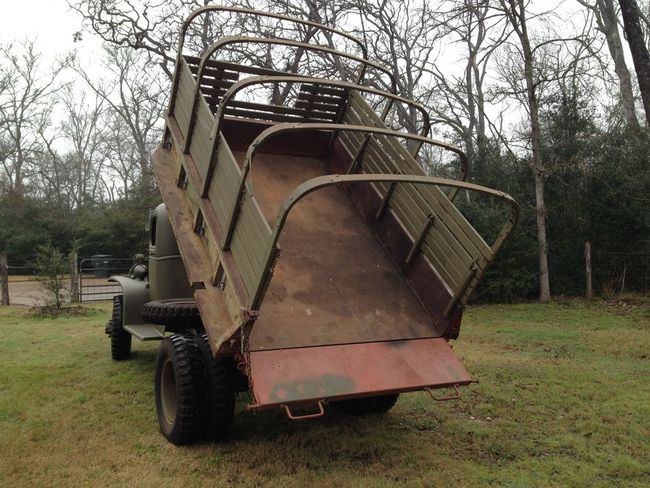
point(563, 400)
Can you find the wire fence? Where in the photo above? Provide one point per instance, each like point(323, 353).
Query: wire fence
point(618, 273)
point(25, 285)
point(614, 273)
point(28, 287)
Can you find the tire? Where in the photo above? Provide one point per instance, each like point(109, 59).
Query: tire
point(120, 339)
point(368, 405)
point(177, 314)
point(219, 407)
point(179, 392)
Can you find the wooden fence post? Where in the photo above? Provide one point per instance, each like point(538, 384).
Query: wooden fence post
point(74, 278)
point(4, 280)
point(590, 290)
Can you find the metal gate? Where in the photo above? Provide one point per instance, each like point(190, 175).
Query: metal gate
point(93, 277)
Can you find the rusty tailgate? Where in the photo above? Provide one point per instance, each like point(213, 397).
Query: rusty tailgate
point(311, 374)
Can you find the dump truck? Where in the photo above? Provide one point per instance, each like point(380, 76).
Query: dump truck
point(302, 254)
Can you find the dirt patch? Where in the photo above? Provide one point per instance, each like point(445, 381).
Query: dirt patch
point(26, 292)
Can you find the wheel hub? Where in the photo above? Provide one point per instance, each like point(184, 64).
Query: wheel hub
point(168, 391)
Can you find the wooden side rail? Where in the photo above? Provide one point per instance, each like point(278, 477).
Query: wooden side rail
point(460, 295)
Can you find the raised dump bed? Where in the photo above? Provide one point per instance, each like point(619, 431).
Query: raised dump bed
point(324, 263)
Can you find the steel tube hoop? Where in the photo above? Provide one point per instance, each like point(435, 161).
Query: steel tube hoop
point(319, 182)
point(295, 127)
point(260, 80)
point(218, 8)
point(224, 41)
point(305, 45)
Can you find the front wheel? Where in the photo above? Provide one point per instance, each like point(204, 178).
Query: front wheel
point(179, 392)
point(120, 339)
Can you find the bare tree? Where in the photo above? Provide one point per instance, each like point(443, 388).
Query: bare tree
point(635, 38)
point(122, 159)
point(530, 66)
point(461, 98)
point(132, 91)
point(153, 26)
point(83, 128)
point(25, 108)
point(607, 23)
point(150, 25)
point(403, 37)
point(73, 179)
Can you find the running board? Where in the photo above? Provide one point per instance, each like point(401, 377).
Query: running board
point(146, 332)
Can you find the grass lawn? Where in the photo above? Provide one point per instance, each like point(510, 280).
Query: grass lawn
point(563, 400)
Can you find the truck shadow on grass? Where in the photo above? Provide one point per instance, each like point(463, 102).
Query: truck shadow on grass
point(269, 424)
point(330, 431)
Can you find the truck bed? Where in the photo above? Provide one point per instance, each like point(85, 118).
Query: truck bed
point(321, 257)
point(317, 298)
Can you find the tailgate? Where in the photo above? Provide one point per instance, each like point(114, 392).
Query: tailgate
point(311, 374)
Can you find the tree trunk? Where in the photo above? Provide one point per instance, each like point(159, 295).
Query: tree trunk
point(590, 289)
point(471, 113)
point(623, 279)
point(4, 280)
point(537, 164)
point(74, 278)
point(609, 26)
point(640, 55)
point(542, 245)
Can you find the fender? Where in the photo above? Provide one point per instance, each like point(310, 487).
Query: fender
point(135, 295)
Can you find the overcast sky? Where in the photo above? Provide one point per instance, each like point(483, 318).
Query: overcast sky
point(50, 22)
point(52, 25)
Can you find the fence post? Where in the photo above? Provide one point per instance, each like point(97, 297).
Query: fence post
point(590, 290)
point(623, 278)
point(74, 278)
point(4, 280)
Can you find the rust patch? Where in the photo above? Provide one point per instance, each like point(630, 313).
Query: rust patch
point(324, 386)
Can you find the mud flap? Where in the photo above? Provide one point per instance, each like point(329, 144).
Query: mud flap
point(309, 375)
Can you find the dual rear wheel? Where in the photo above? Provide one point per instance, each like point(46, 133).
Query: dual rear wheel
point(195, 392)
point(195, 395)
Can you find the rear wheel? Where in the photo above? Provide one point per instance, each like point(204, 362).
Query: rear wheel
point(120, 339)
point(179, 389)
point(368, 405)
point(219, 377)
